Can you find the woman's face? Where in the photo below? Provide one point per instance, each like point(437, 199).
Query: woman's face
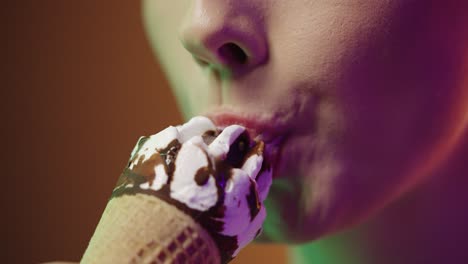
point(364, 95)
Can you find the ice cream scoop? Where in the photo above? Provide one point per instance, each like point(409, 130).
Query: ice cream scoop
point(217, 177)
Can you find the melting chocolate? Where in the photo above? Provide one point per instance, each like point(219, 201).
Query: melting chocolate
point(227, 245)
point(169, 155)
point(140, 143)
point(257, 149)
point(209, 136)
point(265, 167)
point(202, 176)
point(253, 201)
point(146, 168)
point(239, 148)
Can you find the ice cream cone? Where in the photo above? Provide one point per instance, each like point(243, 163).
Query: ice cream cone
point(142, 228)
point(189, 194)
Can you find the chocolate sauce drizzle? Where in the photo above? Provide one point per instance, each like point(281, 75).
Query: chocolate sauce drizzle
point(238, 150)
point(202, 176)
point(253, 201)
point(143, 171)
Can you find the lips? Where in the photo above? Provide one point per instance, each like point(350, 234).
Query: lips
point(260, 128)
point(270, 131)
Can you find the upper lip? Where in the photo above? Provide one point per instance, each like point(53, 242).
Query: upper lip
point(268, 130)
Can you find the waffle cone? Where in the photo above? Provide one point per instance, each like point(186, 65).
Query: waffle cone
point(142, 228)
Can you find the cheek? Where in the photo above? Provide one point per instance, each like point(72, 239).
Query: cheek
point(386, 125)
point(398, 98)
point(310, 53)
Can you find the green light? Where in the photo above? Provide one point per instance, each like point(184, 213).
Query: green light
point(336, 249)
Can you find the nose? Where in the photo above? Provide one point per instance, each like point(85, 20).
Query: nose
point(227, 35)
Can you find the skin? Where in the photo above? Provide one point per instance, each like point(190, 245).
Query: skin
point(371, 94)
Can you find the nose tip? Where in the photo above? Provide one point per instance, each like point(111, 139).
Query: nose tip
point(224, 37)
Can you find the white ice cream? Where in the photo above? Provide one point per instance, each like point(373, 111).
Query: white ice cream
point(195, 157)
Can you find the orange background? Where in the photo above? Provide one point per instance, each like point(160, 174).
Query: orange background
point(81, 85)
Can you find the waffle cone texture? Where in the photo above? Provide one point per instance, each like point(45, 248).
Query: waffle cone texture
point(142, 228)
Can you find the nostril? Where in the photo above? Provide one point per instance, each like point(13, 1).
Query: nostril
point(232, 54)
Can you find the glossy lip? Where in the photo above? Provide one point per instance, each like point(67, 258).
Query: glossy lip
point(272, 132)
point(267, 130)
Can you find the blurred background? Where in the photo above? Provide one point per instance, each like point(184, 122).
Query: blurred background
point(80, 86)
